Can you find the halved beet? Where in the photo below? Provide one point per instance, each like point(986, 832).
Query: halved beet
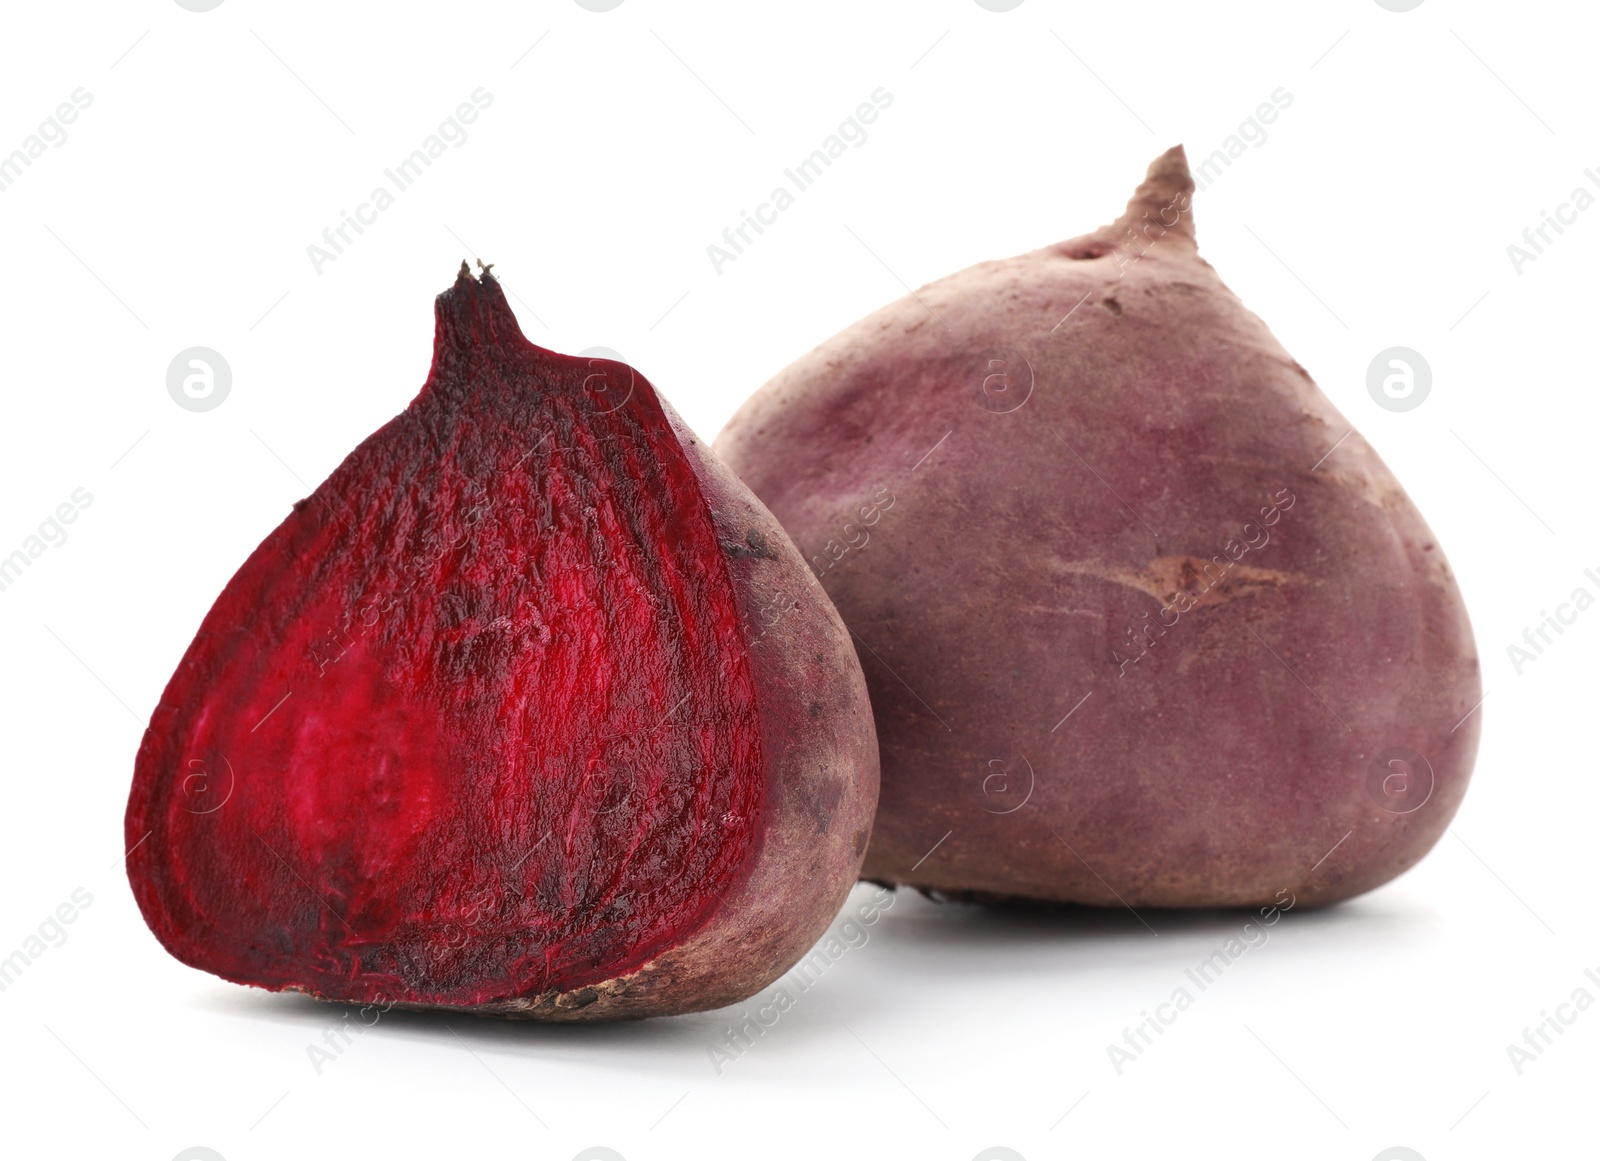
point(531, 709)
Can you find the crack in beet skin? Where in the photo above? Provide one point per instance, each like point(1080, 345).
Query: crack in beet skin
point(520, 750)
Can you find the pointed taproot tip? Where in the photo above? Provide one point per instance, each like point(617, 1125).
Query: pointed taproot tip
point(1165, 198)
point(471, 312)
point(1161, 212)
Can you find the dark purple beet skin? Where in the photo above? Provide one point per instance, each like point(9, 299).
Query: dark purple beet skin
point(531, 709)
point(1142, 619)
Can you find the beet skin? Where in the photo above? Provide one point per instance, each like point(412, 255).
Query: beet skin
point(1143, 620)
point(530, 710)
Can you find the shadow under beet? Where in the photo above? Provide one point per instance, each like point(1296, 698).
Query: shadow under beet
point(911, 963)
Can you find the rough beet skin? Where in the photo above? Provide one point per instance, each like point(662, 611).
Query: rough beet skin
point(1144, 622)
point(530, 710)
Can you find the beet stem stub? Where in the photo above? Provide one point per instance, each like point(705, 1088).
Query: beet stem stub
point(480, 724)
point(1160, 213)
point(1163, 205)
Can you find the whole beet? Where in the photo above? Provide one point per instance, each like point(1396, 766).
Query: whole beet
point(1144, 621)
point(530, 710)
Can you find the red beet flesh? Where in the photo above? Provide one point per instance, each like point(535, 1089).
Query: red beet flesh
point(478, 725)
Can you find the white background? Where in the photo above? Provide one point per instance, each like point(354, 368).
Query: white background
point(1377, 213)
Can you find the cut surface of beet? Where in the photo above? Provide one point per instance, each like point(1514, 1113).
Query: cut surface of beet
point(477, 721)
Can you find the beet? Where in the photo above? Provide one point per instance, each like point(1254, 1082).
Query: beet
point(531, 710)
point(1144, 622)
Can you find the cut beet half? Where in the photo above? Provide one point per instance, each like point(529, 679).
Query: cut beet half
point(530, 709)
